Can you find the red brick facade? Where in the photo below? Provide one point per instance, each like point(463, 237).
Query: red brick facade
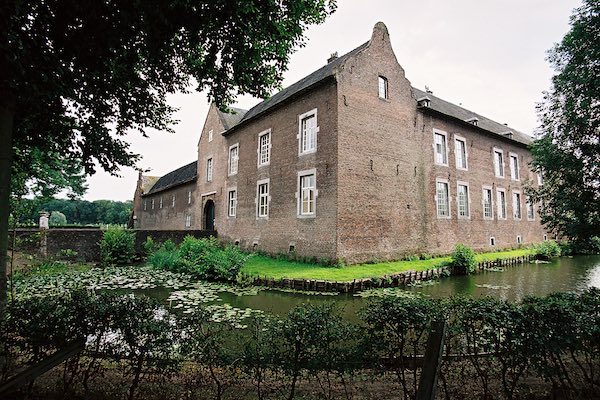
point(374, 168)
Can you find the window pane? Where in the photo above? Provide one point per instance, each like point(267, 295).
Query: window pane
point(442, 199)
point(440, 149)
point(463, 201)
point(461, 154)
point(307, 194)
point(308, 133)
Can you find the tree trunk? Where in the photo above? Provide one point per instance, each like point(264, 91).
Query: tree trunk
point(7, 113)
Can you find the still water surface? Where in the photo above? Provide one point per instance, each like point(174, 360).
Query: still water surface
point(512, 284)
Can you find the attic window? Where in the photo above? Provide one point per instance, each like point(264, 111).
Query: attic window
point(474, 121)
point(383, 88)
point(423, 102)
point(508, 134)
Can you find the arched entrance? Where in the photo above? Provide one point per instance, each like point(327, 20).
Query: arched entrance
point(209, 215)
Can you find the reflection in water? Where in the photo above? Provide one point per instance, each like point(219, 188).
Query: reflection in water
point(512, 284)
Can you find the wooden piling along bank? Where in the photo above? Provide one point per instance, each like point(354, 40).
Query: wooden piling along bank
point(396, 280)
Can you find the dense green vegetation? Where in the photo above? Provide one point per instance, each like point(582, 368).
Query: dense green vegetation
point(202, 258)
point(105, 212)
point(117, 247)
point(568, 152)
point(498, 349)
point(463, 260)
point(265, 266)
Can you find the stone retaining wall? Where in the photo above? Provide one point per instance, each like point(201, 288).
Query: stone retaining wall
point(86, 242)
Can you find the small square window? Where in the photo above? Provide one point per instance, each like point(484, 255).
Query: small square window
point(383, 88)
point(492, 241)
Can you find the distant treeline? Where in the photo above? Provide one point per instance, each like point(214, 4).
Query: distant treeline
point(78, 211)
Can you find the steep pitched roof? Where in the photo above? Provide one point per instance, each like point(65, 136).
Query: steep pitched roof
point(463, 114)
point(302, 85)
point(185, 174)
point(229, 120)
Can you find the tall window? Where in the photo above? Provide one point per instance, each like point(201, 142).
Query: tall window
point(160, 203)
point(264, 148)
point(153, 204)
point(441, 148)
point(189, 197)
point(540, 178)
point(233, 159)
point(383, 87)
point(517, 205)
point(145, 204)
point(501, 201)
point(262, 199)
point(209, 170)
point(210, 135)
point(499, 163)
point(514, 167)
point(460, 149)
point(487, 203)
point(442, 200)
point(463, 200)
point(173, 201)
point(307, 194)
point(232, 203)
point(530, 209)
point(308, 132)
point(188, 221)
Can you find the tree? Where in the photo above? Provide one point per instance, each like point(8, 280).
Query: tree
point(77, 75)
point(57, 218)
point(568, 153)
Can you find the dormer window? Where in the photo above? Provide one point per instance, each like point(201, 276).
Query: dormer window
point(508, 134)
point(474, 121)
point(423, 102)
point(383, 88)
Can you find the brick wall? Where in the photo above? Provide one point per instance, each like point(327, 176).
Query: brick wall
point(169, 217)
point(309, 236)
point(86, 241)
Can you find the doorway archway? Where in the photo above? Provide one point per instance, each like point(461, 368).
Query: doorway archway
point(209, 215)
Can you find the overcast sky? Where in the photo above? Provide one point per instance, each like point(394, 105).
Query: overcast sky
point(488, 56)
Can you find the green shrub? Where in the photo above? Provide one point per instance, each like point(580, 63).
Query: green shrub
point(150, 246)
point(117, 247)
point(546, 249)
point(588, 246)
point(463, 260)
point(222, 264)
point(411, 257)
point(425, 256)
point(166, 259)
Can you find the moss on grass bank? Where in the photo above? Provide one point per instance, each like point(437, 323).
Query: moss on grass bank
point(264, 266)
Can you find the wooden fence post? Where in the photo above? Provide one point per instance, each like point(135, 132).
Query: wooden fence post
point(432, 361)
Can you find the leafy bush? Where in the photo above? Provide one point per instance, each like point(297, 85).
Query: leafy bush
point(57, 218)
point(546, 249)
point(463, 260)
point(425, 256)
point(203, 258)
point(150, 246)
point(589, 246)
point(117, 247)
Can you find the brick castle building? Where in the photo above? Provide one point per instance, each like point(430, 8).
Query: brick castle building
point(351, 163)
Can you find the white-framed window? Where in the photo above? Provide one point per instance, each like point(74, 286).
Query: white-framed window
point(232, 202)
point(173, 201)
point(145, 205)
point(307, 132)
point(383, 87)
point(463, 200)
point(540, 178)
point(160, 203)
point(440, 147)
point(264, 148)
point(514, 166)
point(442, 198)
point(189, 197)
point(210, 135)
point(460, 150)
point(519, 239)
point(234, 155)
point(492, 241)
point(188, 221)
point(516, 195)
point(262, 198)
point(307, 193)
point(501, 203)
point(209, 169)
point(153, 204)
point(530, 209)
point(499, 163)
point(487, 201)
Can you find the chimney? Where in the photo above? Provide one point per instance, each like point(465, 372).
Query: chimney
point(332, 57)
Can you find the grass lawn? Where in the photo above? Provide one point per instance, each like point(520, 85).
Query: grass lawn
point(264, 266)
